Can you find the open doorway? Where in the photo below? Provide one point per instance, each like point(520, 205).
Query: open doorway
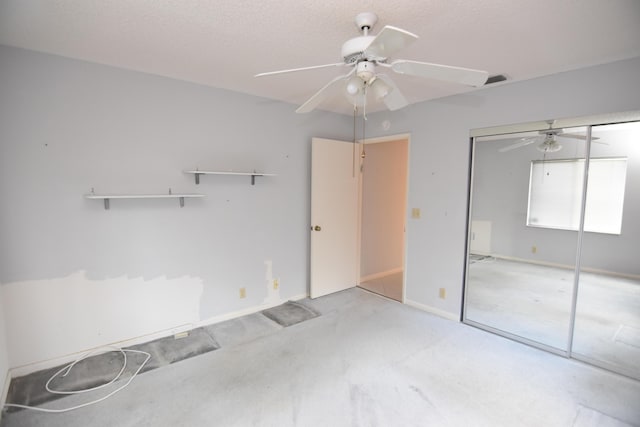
point(383, 216)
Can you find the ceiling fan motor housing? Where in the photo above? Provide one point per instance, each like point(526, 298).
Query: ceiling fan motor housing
point(365, 52)
point(353, 49)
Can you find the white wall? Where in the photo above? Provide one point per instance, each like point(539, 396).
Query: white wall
point(384, 196)
point(439, 160)
point(501, 190)
point(75, 275)
point(67, 126)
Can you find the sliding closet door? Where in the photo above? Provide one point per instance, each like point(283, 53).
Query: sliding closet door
point(526, 196)
point(607, 322)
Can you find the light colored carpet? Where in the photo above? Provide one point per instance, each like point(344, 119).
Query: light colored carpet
point(366, 361)
point(534, 302)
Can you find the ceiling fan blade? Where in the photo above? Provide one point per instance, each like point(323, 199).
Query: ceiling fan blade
point(330, 89)
point(523, 142)
point(293, 70)
point(387, 90)
point(389, 41)
point(576, 136)
point(447, 73)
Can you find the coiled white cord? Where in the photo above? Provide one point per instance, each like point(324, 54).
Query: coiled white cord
point(70, 366)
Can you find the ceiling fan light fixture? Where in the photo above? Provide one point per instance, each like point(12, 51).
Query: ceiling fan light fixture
point(363, 53)
point(354, 91)
point(365, 70)
point(549, 147)
point(379, 88)
point(353, 87)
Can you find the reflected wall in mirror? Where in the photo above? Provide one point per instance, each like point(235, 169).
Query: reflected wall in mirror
point(607, 321)
point(550, 262)
point(520, 272)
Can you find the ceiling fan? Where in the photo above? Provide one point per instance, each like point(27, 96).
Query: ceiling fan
point(547, 140)
point(366, 53)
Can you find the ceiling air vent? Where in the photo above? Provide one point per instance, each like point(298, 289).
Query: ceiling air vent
point(495, 79)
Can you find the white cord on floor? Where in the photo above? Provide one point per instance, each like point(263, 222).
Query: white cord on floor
point(68, 369)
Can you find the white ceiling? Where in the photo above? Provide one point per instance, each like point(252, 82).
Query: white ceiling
point(223, 43)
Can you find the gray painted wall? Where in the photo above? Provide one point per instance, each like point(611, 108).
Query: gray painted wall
point(500, 194)
point(67, 126)
point(439, 159)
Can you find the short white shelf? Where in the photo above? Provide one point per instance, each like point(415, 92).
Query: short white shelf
point(169, 195)
point(253, 174)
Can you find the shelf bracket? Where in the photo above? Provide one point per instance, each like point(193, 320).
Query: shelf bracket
point(181, 202)
point(253, 179)
point(106, 204)
point(197, 178)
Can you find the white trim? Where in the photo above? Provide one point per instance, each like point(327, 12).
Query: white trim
point(595, 120)
point(610, 273)
point(405, 245)
point(21, 370)
point(50, 363)
point(381, 274)
point(389, 138)
point(567, 267)
point(441, 313)
point(533, 261)
point(245, 312)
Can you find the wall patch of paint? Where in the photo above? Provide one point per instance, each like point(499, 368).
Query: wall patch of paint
point(273, 290)
point(57, 317)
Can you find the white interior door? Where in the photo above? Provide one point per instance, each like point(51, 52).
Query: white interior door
point(334, 216)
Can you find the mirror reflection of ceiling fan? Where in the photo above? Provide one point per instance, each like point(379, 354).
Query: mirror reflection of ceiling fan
point(547, 140)
point(364, 54)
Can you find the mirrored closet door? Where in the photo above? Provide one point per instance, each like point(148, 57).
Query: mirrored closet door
point(553, 220)
point(607, 321)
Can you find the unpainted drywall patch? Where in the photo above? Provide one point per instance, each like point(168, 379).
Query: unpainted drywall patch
point(52, 318)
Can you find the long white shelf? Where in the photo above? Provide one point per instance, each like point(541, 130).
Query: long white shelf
point(170, 195)
point(253, 174)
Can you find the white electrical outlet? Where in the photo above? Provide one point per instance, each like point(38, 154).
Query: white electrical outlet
point(181, 335)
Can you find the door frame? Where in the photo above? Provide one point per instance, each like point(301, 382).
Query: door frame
point(362, 143)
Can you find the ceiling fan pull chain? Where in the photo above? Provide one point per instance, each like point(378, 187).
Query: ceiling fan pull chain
point(365, 52)
point(364, 106)
point(364, 136)
point(353, 156)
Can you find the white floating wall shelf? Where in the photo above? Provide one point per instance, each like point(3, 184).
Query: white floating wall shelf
point(253, 174)
point(169, 195)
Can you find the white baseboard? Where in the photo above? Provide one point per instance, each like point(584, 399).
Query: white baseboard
point(381, 274)
point(56, 361)
point(433, 310)
point(50, 363)
point(245, 311)
point(567, 267)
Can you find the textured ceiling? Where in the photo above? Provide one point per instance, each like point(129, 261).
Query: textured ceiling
point(223, 43)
